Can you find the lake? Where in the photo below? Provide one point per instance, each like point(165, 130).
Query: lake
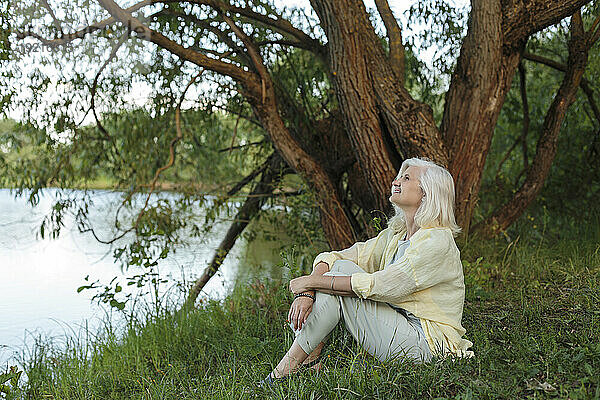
point(40, 277)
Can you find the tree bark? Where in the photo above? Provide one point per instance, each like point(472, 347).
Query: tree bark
point(478, 88)
point(522, 19)
point(394, 34)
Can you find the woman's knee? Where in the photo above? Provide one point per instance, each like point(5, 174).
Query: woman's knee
point(326, 309)
point(325, 300)
point(344, 267)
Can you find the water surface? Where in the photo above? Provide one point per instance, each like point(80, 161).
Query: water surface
point(39, 277)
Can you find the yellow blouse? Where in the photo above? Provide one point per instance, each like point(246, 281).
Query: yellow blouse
point(427, 281)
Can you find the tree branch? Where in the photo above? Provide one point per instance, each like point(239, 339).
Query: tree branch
point(221, 34)
point(523, 137)
point(280, 24)
point(248, 178)
point(80, 34)
point(502, 217)
point(523, 18)
point(394, 34)
point(55, 20)
point(241, 146)
point(258, 91)
point(544, 60)
point(585, 84)
point(249, 210)
point(590, 96)
point(112, 55)
point(251, 48)
point(125, 17)
point(594, 31)
point(292, 43)
point(523, 86)
point(246, 78)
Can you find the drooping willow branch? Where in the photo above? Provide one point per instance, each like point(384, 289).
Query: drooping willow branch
point(94, 87)
point(176, 139)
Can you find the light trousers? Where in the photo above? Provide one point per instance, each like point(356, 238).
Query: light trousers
point(381, 330)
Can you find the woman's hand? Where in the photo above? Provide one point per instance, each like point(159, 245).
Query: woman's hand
point(299, 311)
point(301, 284)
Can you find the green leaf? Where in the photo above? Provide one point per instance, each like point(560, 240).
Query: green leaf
point(80, 288)
point(5, 378)
point(117, 304)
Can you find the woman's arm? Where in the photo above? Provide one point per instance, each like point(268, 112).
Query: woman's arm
point(339, 285)
point(431, 258)
point(301, 307)
point(365, 254)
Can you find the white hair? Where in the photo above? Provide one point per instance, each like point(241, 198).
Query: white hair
point(437, 206)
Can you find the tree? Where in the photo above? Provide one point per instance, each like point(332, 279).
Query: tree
point(346, 128)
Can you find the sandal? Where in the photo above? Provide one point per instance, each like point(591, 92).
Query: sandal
point(312, 363)
point(270, 381)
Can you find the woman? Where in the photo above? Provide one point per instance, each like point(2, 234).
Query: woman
point(400, 293)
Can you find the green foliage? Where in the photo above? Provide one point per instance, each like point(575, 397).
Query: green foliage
point(139, 146)
point(123, 142)
point(445, 26)
point(9, 383)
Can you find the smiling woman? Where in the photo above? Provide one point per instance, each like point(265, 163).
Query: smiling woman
point(400, 294)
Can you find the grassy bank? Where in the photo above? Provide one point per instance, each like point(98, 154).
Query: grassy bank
point(531, 309)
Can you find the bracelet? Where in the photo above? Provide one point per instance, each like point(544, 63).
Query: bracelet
point(332, 282)
point(310, 296)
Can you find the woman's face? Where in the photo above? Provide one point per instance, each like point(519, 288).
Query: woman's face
point(406, 192)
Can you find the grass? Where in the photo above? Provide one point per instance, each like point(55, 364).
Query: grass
point(531, 311)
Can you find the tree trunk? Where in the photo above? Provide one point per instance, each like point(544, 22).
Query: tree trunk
point(491, 51)
point(336, 223)
point(384, 123)
point(480, 82)
point(246, 213)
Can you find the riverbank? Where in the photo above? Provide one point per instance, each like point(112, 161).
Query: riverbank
point(531, 312)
